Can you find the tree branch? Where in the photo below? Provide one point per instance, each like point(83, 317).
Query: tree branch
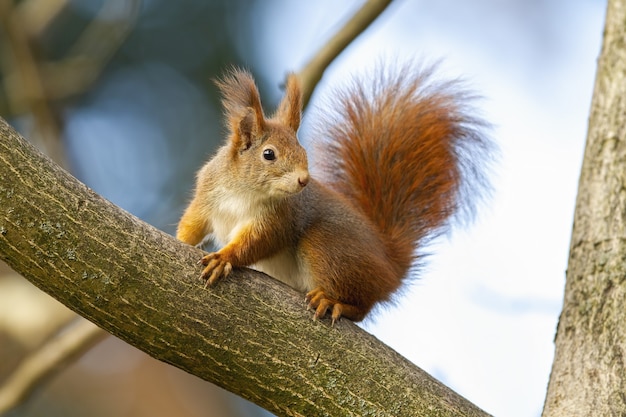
point(251, 334)
point(25, 87)
point(86, 60)
point(312, 72)
point(589, 372)
point(54, 354)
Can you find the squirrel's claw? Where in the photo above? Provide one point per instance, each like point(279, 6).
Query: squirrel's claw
point(321, 303)
point(215, 269)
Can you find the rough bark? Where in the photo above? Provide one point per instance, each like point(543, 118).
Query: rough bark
point(588, 375)
point(250, 334)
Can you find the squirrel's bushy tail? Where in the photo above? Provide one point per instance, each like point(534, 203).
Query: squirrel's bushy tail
point(409, 153)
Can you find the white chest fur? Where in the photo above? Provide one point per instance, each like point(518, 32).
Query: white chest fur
point(286, 267)
point(230, 215)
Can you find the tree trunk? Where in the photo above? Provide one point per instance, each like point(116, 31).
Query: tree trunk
point(250, 334)
point(588, 375)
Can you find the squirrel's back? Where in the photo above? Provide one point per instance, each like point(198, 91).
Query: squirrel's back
point(408, 151)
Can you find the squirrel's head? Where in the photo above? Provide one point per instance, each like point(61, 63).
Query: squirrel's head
point(265, 153)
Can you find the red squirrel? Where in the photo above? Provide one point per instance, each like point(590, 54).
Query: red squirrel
point(401, 156)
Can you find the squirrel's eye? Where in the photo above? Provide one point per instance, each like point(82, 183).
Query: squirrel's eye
point(269, 155)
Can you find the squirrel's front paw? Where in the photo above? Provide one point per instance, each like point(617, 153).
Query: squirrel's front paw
point(215, 269)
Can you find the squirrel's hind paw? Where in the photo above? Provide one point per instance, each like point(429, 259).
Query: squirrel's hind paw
point(321, 303)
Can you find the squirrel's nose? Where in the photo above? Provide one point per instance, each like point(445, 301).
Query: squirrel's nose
point(303, 179)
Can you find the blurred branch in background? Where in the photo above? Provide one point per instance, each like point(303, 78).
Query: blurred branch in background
point(312, 73)
point(32, 84)
point(87, 58)
point(47, 360)
point(24, 87)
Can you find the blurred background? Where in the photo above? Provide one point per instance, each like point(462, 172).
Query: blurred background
point(120, 93)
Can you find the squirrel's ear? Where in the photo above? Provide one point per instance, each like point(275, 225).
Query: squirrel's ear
point(242, 106)
point(290, 108)
point(245, 130)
